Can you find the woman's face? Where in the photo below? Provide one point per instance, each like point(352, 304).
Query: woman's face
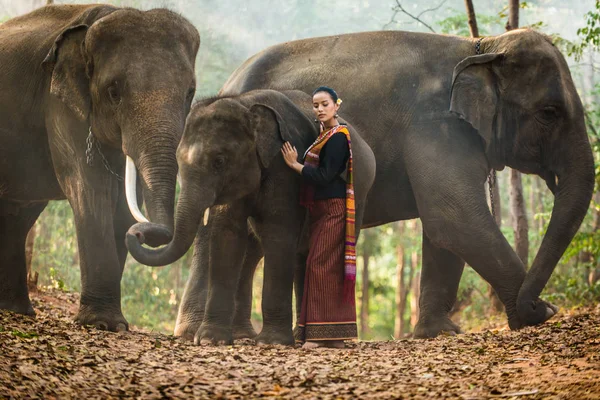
point(324, 107)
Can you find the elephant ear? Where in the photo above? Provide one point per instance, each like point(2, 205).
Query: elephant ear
point(270, 132)
point(70, 81)
point(474, 94)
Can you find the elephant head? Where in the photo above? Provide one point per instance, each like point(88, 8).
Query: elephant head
point(130, 75)
point(520, 97)
point(225, 147)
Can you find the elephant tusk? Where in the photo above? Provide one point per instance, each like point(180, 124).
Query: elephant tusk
point(206, 215)
point(131, 190)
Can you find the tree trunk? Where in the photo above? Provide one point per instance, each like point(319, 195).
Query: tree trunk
point(472, 18)
point(513, 15)
point(399, 320)
point(495, 202)
point(32, 277)
point(407, 288)
point(594, 274)
point(540, 202)
point(496, 206)
point(364, 300)
point(415, 291)
point(519, 216)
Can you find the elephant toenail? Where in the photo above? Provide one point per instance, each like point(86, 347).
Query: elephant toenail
point(103, 326)
point(121, 327)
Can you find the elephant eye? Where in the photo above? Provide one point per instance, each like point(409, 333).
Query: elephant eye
point(549, 114)
point(191, 93)
point(219, 163)
point(113, 94)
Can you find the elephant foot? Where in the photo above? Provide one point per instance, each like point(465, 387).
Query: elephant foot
point(105, 320)
point(22, 306)
point(210, 335)
point(430, 328)
point(244, 331)
point(532, 312)
point(187, 330)
point(271, 335)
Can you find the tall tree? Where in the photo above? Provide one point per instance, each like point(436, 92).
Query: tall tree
point(493, 190)
point(368, 248)
point(400, 285)
point(415, 289)
point(32, 277)
point(472, 19)
point(513, 15)
point(517, 203)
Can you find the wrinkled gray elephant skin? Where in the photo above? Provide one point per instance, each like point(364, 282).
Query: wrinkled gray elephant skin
point(439, 117)
point(126, 75)
point(230, 163)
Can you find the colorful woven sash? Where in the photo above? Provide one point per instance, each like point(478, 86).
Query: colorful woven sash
point(311, 158)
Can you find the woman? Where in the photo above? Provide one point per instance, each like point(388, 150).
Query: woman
point(328, 313)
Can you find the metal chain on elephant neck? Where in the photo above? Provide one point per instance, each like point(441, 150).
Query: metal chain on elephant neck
point(91, 143)
point(491, 184)
point(492, 175)
point(478, 46)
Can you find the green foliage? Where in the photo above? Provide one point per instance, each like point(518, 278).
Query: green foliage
point(24, 335)
point(457, 24)
point(590, 33)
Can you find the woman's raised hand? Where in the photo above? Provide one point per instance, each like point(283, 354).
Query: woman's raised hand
point(290, 156)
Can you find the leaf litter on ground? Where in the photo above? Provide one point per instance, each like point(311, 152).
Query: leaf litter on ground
point(49, 356)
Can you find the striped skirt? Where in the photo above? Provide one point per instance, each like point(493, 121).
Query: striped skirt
point(324, 314)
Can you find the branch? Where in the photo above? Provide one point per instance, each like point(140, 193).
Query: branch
point(579, 65)
point(472, 18)
point(392, 20)
point(399, 8)
point(432, 9)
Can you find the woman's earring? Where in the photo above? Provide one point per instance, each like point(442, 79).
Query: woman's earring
point(316, 120)
point(336, 116)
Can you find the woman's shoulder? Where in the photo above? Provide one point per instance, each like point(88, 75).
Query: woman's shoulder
point(338, 140)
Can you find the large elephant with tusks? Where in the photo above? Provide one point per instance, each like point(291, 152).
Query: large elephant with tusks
point(440, 112)
point(83, 88)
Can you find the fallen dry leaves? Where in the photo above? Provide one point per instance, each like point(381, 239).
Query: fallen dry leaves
point(51, 357)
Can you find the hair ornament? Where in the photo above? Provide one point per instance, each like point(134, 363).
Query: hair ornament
point(338, 102)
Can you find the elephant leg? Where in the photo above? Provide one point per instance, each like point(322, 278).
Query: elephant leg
point(279, 245)
point(299, 276)
point(451, 200)
point(242, 326)
point(15, 223)
point(101, 268)
point(440, 276)
point(228, 241)
point(195, 294)
point(122, 221)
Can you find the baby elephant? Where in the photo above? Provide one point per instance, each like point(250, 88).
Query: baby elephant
point(230, 162)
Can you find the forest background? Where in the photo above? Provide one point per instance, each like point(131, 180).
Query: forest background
point(389, 256)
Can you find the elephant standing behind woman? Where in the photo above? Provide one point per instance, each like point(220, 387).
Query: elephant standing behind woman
point(230, 162)
point(82, 88)
point(440, 112)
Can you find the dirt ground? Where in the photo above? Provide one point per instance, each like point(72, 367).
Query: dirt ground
point(51, 357)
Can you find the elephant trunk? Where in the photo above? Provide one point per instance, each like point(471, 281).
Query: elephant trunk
point(156, 164)
point(575, 173)
point(187, 219)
